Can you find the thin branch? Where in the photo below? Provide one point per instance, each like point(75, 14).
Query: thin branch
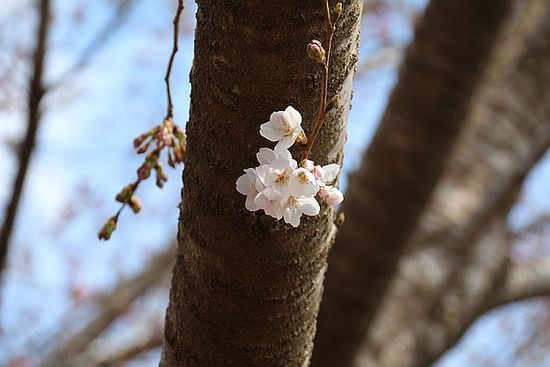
point(322, 113)
point(36, 92)
point(113, 305)
point(169, 112)
point(129, 352)
point(97, 42)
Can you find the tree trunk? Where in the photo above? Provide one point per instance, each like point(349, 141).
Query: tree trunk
point(386, 196)
point(246, 289)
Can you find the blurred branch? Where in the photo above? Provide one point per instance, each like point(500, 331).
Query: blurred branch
point(112, 306)
point(36, 92)
point(96, 43)
point(534, 226)
point(143, 344)
point(445, 286)
point(440, 74)
point(384, 57)
point(525, 281)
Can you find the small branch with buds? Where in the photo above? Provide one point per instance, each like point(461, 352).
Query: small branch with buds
point(317, 53)
point(165, 135)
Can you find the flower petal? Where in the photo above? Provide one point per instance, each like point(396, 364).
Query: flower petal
point(270, 133)
point(266, 155)
point(296, 116)
point(309, 206)
point(285, 143)
point(331, 172)
point(245, 183)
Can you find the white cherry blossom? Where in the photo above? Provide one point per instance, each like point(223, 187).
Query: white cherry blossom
point(249, 185)
point(292, 208)
point(282, 127)
point(303, 183)
point(278, 186)
point(277, 175)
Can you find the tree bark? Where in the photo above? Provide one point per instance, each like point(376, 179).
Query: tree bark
point(509, 132)
point(386, 196)
point(246, 288)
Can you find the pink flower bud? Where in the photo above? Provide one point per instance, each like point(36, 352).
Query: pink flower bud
point(316, 52)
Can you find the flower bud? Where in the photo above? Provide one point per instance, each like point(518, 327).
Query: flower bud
point(338, 9)
point(301, 139)
point(316, 52)
point(108, 229)
point(134, 204)
point(125, 194)
point(139, 140)
point(144, 172)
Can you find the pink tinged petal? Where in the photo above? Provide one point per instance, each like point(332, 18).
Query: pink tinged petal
point(277, 120)
point(266, 156)
point(309, 206)
point(308, 164)
point(334, 197)
point(319, 173)
point(323, 192)
point(268, 132)
point(331, 172)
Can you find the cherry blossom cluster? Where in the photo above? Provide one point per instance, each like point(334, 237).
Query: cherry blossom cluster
point(279, 186)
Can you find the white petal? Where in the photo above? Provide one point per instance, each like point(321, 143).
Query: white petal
point(303, 183)
point(270, 207)
point(285, 154)
point(309, 206)
point(331, 172)
point(270, 133)
point(245, 183)
point(296, 116)
point(266, 155)
point(292, 216)
point(285, 142)
point(249, 203)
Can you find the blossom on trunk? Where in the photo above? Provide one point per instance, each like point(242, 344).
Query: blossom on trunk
point(283, 127)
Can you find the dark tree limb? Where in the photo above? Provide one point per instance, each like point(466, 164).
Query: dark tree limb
point(426, 111)
point(35, 94)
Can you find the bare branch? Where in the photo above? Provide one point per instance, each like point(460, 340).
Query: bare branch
point(36, 92)
point(97, 42)
point(112, 306)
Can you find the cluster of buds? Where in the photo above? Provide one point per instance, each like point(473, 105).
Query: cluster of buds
point(165, 135)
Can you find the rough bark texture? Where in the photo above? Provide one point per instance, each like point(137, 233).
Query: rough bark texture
point(386, 196)
point(246, 288)
point(508, 132)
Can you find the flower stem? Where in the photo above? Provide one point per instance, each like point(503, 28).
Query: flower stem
point(322, 113)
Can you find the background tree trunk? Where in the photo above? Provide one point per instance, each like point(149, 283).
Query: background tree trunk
point(387, 195)
point(245, 288)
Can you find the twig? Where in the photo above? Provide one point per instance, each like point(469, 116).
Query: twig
point(330, 28)
point(169, 112)
point(166, 135)
point(36, 92)
point(96, 43)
